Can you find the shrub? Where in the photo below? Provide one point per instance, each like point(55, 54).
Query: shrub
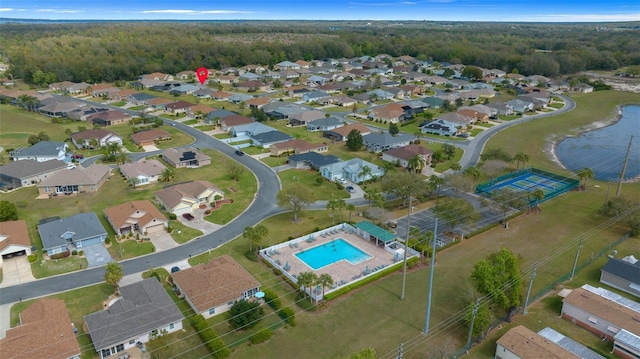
point(74, 252)
point(32, 258)
point(261, 336)
point(107, 240)
point(173, 216)
point(271, 298)
point(251, 255)
point(416, 142)
point(213, 342)
point(288, 315)
point(169, 229)
point(412, 262)
point(61, 255)
point(245, 314)
point(81, 253)
point(339, 186)
point(319, 180)
point(207, 212)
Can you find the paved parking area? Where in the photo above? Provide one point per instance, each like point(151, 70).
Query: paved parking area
point(97, 255)
point(200, 223)
point(16, 270)
point(162, 241)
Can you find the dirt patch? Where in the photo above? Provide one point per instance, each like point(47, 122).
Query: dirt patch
point(233, 189)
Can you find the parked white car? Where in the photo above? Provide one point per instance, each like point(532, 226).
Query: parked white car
point(343, 180)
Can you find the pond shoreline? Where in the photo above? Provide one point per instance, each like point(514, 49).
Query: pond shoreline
point(552, 144)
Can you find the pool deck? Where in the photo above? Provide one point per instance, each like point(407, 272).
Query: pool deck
point(342, 271)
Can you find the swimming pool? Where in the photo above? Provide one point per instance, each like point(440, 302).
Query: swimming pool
point(331, 252)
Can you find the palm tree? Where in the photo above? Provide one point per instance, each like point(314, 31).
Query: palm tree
point(538, 195)
point(455, 166)
point(167, 175)
point(364, 172)
point(435, 183)
point(122, 158)
point(584, 175)
point(325, 280)
point(255, 235)
point(474, 173)
point(350, 207)
point(417, 163)
point(521, 157)
point(306, 280)
point(373, 197)
point(332, 204)
point(340, 204)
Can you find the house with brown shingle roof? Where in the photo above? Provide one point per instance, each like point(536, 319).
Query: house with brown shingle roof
point(478, 116)
point(199, 111)
point(150, 137)
point(185, 157)
point(159, 102)
point(297, 146)
point(341, 133)
point(177, 107)
point(404, 154)
point(45, 331)
point(212, 288)
point(186, 197)
point(77, 180)
point(102, 137)
point(136, 217)
point(14, 239)
point(257, 102)
point(109, 118)
point(227, 122)
point(521, 342)
point(159, 76)
point(144, 171)
point(122, 94)
point(391, 113)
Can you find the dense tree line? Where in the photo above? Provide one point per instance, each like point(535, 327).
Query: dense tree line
point(110, 51)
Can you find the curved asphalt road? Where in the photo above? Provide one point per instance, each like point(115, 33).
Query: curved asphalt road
point(262, 207)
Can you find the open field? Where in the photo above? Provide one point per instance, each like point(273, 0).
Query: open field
point(18, 125)
point(323, 191)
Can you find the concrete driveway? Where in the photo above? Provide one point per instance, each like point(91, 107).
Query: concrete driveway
point(16, 270)
point(162, 241)
point(199, 223)
point(97, 255)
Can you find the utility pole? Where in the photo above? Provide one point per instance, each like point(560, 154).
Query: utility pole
point(575, 261)
point(406, 247)
point(531, 278)
point(474, 311)
point(624, 167)
point(399, 356)
point(433, 265)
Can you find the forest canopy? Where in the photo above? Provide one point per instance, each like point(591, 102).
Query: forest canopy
point(110, 51)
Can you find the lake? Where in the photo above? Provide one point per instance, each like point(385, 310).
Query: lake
point(604, 149)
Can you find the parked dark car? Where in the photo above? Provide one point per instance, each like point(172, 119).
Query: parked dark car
point(175, 269)
point(239, 153)
point(350, 189)
point(188, 216)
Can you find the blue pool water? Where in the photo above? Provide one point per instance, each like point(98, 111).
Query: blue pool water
point(331, 252)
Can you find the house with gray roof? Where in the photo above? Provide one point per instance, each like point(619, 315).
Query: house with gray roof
point(283, 110)
point(25, 173)
point(379, 142)
point(41, 152)
point(238, 98)
point(140, 98)
point(142, 172)
point(351, 170)
point(439, 127)
point(189, 157)
point(302, 118)
point(184, 89)
point(519, 106)
point(380, 94)
point(74, 232)
point(314, 160)
point(433, 102)
point(249, 129)
point(60, 107)
point(73, 181)
point(203, 93)
point(142, 312)
point(324, 124)
point(266, 139)
point(623, 274)
point(501, 108)
point(315, 96)
point(287, 65)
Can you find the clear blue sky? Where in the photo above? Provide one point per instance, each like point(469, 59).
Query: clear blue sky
point(434, 10)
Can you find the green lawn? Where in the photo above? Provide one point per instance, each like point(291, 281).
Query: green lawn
point(275, 161)
point(129, 249)
point(178, 138)
point(118, 103)
point(18, 124)
point(476, 131)
point(191, 122)
point(323, 191)
point(181, 233)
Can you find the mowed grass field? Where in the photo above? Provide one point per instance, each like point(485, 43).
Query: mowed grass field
point(16, 125)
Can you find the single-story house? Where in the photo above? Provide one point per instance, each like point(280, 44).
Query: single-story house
point(143, 311)
point(184, 89)
point(185, 157)
point(109, 118)
point(582, 87)
point(457, 118)
point(297, 146)
point(352, 170)
point(60, 107)
point(144, 171)
point(280, 111)
point(140, 99)
point(312, 159)
point(379, 142)
point(186, 197)
point(159, 103)
point(16, 174)
point(478, 116)
point(342, 100)
point(177, 107)
point(150, 137)
point(122, 95)
point(520, 106)
point(77, 180)
point(140, 217)
point(257, 102)
point(315, 96)
point(199, 111)
point(391, 113)
point(522, 343)
point(14, 239)
point(379, 94)
point(433, 102)
point(185, 75)
point(215, 117)
point(42, 151)
point(266, 139)
point(341, 133)
point(82, 113)
point(158, 76)
point(439, 127)
point(44, 318)
point(405, 154)
point(324, 124)
point(304, 117)
point(603, 313)
point(221, 95)
point(622, 274)
point(228, 280)
point(74, 232)
point(99, 136)
point(249, 129)
point(490, 111)
point(203, 93)
point(228, 122)
point(501, 108)
point(253, 85)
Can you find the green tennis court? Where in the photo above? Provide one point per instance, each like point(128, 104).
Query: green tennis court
point(528, 181)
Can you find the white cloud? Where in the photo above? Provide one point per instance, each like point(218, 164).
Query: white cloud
point(6, 9)
point(59, 11)
point(194, 12)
